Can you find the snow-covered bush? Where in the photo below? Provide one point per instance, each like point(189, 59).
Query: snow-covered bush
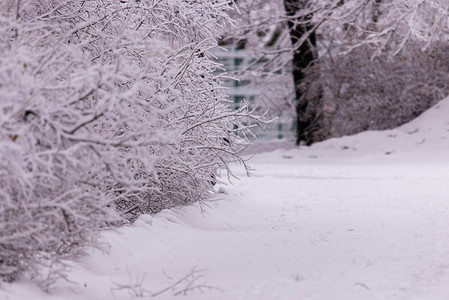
point(106, 105)
point(361, 93)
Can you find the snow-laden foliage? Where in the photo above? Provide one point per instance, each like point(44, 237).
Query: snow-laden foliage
point(106, 104)
point(359, 93)
point(379, 62)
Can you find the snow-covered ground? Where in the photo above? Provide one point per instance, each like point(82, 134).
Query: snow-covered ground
point(360, 217)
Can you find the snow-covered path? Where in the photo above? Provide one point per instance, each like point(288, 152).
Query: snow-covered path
point(342, 231)
point(364, 217)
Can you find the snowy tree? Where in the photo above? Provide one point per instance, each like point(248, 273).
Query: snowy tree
point(106, 106)
point(293, 34)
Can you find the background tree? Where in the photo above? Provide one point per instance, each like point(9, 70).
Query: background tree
point(303, 39)
point(367, 33)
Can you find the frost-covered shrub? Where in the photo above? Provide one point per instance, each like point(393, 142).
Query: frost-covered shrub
point(105, 105)
point(46, 213)
point(360, 92)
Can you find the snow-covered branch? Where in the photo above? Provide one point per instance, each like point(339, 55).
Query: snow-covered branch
point(109, 109)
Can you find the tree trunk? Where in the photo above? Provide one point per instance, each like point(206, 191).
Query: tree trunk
point(376, 11)
point(303, 57)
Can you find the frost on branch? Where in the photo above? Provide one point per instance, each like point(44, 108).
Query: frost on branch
point(106, 104)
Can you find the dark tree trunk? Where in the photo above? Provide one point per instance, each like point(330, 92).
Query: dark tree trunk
point(376, 11)
point(303, 57)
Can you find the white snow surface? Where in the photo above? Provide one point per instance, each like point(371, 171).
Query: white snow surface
point(359, 217)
